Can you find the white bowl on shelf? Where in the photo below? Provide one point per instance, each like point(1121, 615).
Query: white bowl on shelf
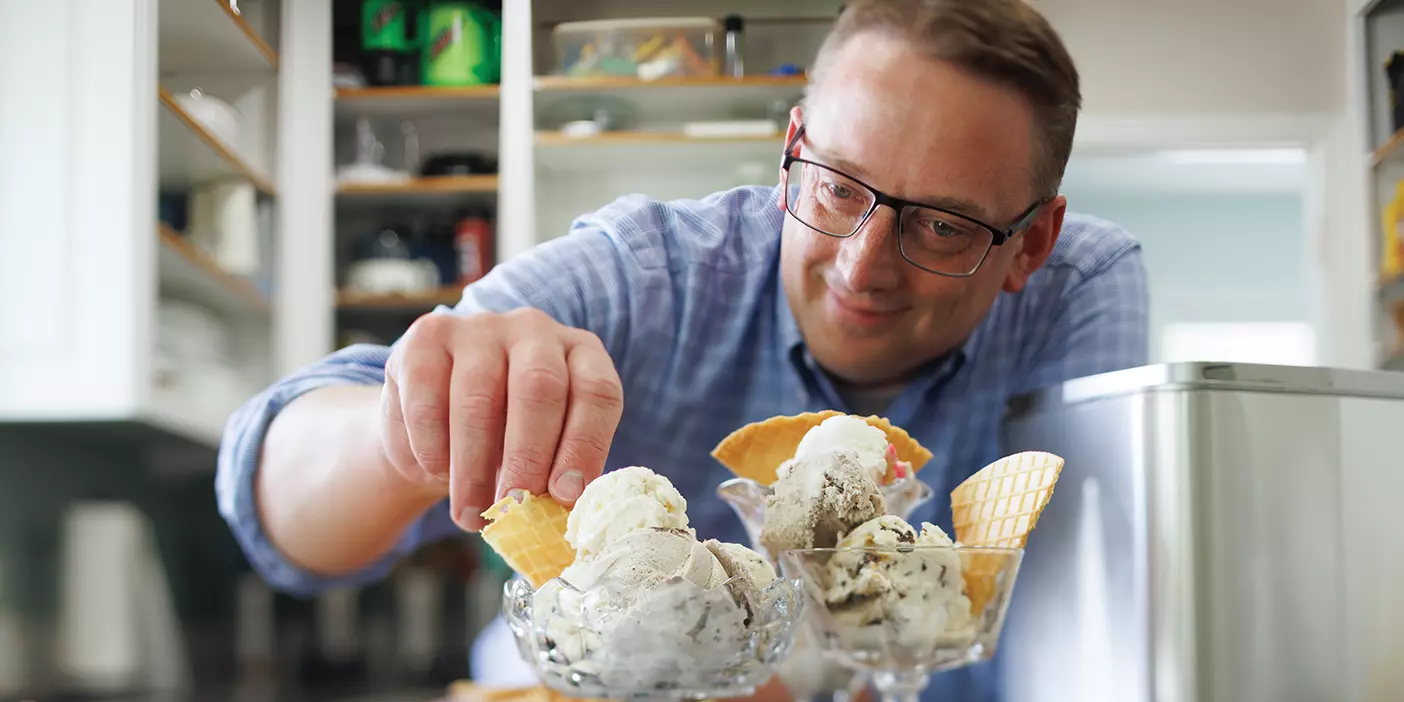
point(218, 117)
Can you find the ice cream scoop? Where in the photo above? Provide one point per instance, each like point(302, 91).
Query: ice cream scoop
point(742, 562)
point(644, 558)
point(819, 498)
point(845, 431)
point(913, 587)
point(644, 605)
point(619, 502)
point(613, 589)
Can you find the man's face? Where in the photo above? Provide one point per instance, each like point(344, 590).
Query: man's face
point(925, 131)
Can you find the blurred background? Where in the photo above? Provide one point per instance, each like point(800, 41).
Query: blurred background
point(197, 196)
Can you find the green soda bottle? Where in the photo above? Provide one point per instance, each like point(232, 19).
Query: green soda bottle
point(385, 26)
point(462, 45)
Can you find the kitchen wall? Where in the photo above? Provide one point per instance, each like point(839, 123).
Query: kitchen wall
point(1216, 258)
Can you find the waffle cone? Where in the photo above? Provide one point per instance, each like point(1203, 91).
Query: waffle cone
point(530, 536)
point(997, 507)
point(468, 691)
point(756, 450)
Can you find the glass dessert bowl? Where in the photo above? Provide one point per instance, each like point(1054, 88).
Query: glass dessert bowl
point(899, 614)
point(670, 641)
point(747, 497)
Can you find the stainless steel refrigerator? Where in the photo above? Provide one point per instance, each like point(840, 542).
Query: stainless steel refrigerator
point(1220, 533)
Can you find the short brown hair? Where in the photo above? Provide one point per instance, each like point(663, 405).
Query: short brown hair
point(1005, 41)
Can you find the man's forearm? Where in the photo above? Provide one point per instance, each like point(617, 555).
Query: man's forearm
point(328, 498)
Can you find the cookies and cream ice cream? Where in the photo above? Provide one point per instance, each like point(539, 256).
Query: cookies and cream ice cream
point(645, 604)
point(742, 562)
point(832, 494)
point(818, 497)
point(916, 594)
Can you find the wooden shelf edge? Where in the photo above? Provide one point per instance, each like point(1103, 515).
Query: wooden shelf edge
point(351, 299)
point(549, 83)
point(399, 92)
point(441, 184)
point(546, 138)
point(224, 152)
point(244, 289)
point(262, 46)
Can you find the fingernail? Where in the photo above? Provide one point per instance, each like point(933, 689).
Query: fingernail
point(569, 486)
point(471, 518)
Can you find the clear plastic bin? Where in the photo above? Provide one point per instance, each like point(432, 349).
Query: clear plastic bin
point(647, 49)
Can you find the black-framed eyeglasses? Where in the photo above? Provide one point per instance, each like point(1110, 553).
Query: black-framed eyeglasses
point(934, 239)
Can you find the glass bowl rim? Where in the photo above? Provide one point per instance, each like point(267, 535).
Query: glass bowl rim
point(924, 548)
point(740, 480)
point(673, 581)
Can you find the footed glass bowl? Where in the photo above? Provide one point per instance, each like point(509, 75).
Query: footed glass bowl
point(669, 641)
point(901, 614)
point(805, 672)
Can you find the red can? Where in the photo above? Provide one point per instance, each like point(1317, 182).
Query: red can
point(472, 241)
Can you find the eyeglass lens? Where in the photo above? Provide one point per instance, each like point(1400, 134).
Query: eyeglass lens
point(835, 204)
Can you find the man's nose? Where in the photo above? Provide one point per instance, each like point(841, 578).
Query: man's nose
point(870, 259)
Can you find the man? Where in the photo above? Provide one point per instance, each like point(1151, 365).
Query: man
point(914, 261)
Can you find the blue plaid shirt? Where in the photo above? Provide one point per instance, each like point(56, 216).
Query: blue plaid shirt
point(686, 296)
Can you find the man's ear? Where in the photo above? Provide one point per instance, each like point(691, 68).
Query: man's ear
point(1036, 244)
point(796, 117)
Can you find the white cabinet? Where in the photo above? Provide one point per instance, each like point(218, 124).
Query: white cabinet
point(96, 122)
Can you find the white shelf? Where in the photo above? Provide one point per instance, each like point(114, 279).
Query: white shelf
point(209, 35)
point(200, 422)
point(190, 274)
point(671, 101)
point(652, 151)
point(189, 155)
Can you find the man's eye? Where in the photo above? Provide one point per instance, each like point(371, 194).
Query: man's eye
point(839, 190)
point(940, 228)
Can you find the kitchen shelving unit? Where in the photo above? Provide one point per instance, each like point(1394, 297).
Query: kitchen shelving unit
point(108, 264)
point(545, 178)
point(1382, 24)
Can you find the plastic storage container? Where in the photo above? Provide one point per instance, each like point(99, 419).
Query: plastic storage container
point(648, 49)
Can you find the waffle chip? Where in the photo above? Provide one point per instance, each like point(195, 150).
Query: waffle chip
point(756, 450)
point(468, 691)
point(997, 507)
point(530, 536)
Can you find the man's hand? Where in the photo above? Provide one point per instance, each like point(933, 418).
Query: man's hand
point(486, 403)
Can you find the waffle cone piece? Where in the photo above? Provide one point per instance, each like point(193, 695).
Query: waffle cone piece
point(997, 507)
point(756, 450)
point(530, 536)
point(468, 691)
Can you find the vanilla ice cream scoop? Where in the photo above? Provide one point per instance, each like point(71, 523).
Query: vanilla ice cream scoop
point(642, 559)
point(620, 502)
point(740, 561)
point(917, 594)
point(845, 431)
point(614, 586)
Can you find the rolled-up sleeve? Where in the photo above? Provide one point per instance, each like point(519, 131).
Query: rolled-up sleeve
point(581, 280)
point(361, 364)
